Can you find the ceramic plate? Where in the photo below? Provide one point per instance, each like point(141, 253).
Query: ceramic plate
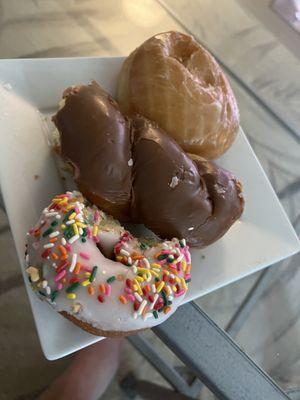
point(29, 179)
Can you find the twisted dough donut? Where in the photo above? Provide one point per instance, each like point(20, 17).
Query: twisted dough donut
point(175, 82)
point(141, 286)
point(134, 171)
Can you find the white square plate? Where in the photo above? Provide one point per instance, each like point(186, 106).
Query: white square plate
point(262, 237)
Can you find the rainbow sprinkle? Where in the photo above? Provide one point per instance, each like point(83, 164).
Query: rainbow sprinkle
point(153, 282)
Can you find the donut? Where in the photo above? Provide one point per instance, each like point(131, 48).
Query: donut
point(177, 83)
point(190, 197)
point(102, 135)
point(98, 275)
point(171, 193)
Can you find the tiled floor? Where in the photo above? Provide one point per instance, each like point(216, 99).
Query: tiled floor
point(49, 28)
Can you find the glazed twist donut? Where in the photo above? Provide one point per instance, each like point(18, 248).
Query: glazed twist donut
point(134, 171)
point(139, 286)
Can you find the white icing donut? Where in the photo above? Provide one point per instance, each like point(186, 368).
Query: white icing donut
point(142, 288)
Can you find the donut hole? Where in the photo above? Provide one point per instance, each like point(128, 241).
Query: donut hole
point(194, 58)
point(180, 51)
point(105, 251)
point(109, 238)
point(107, 241)
point(201, 67)
point(140, 231)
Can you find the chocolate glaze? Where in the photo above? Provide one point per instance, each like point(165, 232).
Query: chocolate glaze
point(95, 139)
point(202, 205)
point(165, 189)
point(168, 211)
point(225, 193)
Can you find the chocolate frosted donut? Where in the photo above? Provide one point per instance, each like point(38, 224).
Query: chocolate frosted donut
point(225, 194)
point(196, 200)
point(167, 185)
point(134, 170)
point(96, 141)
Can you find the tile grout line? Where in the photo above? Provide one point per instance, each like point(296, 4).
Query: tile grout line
point(11, 283)
point(4, 229)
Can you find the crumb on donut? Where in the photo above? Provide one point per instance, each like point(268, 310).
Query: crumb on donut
point(174, 182)
point(76, 308)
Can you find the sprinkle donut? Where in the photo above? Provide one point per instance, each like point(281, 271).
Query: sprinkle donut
point(96, 274)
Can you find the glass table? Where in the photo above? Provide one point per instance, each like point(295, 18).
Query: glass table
point(263, 73)
point(261, 58)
